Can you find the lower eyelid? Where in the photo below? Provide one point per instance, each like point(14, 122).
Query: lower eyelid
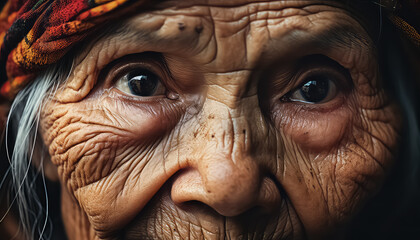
point(321, 108)
point(119, 95)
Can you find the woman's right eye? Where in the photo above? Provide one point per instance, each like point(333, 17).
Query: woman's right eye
point(141, 82)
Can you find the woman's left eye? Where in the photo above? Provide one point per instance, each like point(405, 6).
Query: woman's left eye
point(315, 89)
point(141, 82)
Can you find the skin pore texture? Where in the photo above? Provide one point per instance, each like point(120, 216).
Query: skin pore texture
point(224, 148)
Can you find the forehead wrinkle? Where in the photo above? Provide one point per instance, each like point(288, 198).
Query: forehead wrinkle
point(233, 11)
point(339, 36)
point(174, 37)
point(240, 3)
point(177, 7)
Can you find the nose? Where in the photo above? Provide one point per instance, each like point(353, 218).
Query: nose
point(223, 169)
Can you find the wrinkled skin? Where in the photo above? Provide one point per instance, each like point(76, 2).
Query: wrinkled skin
point(220, 153)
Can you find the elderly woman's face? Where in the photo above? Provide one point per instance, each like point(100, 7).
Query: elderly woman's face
point(208, 119)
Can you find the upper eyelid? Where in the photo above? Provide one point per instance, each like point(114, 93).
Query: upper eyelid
point(339, 72)
point(149, 60)
point(341, 86)
point(294, 76)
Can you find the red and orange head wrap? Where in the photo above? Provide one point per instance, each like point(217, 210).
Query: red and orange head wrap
point(37, 33)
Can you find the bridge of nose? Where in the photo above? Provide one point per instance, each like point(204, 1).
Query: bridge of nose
point(220, 168)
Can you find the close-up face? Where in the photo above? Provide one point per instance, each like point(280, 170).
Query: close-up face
point(221, 120)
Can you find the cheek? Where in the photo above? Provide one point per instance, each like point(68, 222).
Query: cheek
point(107, 151)
point(88, 140)
point(334, 158)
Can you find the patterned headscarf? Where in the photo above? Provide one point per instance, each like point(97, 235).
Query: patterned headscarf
point(37, 33)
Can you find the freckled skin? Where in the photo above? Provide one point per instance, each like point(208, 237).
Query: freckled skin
point(221, 160)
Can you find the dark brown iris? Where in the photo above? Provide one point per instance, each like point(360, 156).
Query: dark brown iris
point(315, 89)
point(142, 82)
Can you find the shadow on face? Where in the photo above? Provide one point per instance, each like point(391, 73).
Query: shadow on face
point(213, 120)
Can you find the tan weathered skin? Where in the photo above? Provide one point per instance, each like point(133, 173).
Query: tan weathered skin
point(222, 157)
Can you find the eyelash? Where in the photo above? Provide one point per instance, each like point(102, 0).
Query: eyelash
point(153, 63)
point(321, 69)
point(321, 86)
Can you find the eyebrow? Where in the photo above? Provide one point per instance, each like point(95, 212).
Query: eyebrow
point(336, 36)
point(342, 36)
point(302, 42)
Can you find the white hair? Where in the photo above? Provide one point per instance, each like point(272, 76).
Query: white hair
point(22, 133)
point(21, 136)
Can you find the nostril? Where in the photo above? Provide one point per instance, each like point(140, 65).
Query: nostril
point(256, 212)
point(194, 206)
point(222, 195)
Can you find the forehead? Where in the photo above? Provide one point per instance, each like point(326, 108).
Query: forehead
point(191, 27)
point(355, 6)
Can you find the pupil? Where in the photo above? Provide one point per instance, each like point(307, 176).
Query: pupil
point(316, 89)
point(142, 83)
